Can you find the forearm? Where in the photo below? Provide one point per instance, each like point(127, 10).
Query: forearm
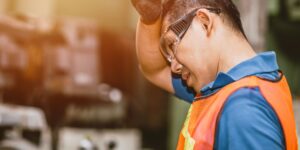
point(147, 46)
point(153, 65)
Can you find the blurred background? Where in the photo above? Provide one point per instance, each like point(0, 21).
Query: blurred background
point(69, 77)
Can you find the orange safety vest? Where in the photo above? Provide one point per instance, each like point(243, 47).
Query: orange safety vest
point(198, 132)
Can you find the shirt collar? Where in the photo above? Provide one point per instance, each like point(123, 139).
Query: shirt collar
point(262, 63)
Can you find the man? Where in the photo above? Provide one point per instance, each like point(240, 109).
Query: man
point(197, 50)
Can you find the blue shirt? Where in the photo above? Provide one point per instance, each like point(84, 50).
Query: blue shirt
point(247, 120)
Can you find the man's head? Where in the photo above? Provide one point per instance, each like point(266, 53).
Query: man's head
point(191, 33)
point(172, 10)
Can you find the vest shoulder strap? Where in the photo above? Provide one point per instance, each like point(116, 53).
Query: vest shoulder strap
point(278, 95)
point(205, 112)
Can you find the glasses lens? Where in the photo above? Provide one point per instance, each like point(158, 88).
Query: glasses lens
point(164, 50)
point(176, 31)
point(167, 45)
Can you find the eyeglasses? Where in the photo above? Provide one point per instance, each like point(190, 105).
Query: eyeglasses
point(179, 28)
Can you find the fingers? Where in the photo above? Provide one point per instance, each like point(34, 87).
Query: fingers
point(149, 10)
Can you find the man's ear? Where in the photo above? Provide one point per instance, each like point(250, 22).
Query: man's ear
point(206, 19)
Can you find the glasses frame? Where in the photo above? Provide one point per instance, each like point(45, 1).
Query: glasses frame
point(179, 28)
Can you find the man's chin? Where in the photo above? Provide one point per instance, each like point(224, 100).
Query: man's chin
point(191, 86)
point(196, 87)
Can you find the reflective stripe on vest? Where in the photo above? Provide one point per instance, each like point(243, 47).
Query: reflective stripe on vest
point(199, 128)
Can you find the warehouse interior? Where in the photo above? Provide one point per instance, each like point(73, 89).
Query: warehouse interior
point(69, 76)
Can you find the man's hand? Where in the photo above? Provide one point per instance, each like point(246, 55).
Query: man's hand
point(149, 10)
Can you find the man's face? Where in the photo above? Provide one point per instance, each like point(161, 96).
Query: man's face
point(191, 56)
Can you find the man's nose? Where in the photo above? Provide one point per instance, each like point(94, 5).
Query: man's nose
point(176, 67)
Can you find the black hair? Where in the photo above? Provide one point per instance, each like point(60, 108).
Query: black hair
point(177, 8)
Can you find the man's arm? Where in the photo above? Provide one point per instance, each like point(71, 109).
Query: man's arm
point(152, 63)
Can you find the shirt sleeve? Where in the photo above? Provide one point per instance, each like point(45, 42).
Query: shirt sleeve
point(248, 122)
point(181, 89)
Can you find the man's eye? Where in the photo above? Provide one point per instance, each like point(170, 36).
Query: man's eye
point(171, 46)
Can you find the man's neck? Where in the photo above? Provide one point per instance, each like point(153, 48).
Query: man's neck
point(234, 51)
